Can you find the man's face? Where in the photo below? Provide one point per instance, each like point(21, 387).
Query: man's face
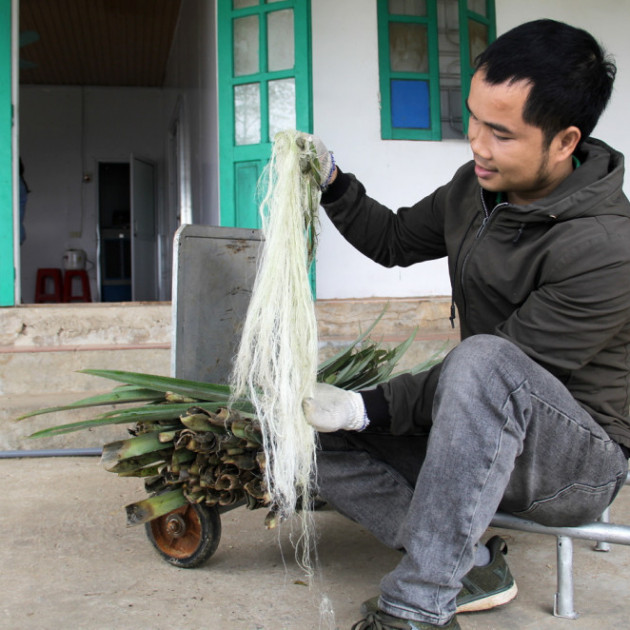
point(510, 154)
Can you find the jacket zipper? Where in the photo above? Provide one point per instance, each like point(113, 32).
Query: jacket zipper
point(486, 220)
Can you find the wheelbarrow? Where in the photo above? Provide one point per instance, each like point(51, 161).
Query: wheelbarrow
point(214, 270)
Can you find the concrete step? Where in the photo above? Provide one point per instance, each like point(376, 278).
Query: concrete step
point(15, 434)
point(52, 371)
point(43, 346)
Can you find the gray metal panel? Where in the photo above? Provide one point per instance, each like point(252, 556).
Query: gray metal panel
point(213, 276)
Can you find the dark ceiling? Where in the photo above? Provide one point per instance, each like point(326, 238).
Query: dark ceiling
point(96, 42)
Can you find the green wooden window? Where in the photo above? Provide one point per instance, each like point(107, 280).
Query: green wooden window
point(426, 52)
point(408, 60)
point(264, 87)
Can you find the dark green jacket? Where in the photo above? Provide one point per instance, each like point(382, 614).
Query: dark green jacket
point(553, 277)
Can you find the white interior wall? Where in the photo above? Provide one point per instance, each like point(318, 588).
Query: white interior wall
point(191, 74)
point(64, 132)
point(398, 173)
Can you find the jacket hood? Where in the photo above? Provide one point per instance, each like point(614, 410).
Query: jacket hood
point(593, 189)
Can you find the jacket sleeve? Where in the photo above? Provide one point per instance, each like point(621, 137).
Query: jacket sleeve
point(401, 238)
point(410, 235)
point(580, 304)
point(410, 401)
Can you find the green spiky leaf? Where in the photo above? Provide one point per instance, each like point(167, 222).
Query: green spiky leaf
point(124, 394)
point(126, 416)
point(158, 505)
point(193, 389)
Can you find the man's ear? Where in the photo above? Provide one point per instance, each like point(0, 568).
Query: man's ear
point(566, 141)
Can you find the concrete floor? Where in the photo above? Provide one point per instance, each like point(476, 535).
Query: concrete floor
point(69, 561)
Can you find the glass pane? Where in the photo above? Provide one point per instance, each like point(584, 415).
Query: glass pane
point(478, 6)
point(241, 4)
point(408, 7)
point(408, 47)
point(270, 1)
point(411, 108)
point(245, 179)
point(281, 53)
point(247, 113)
point(477, 39)
point(246, 46)
point(281, 106)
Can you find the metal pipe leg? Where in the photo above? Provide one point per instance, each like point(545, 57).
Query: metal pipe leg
point(604, 518)
point(563, 601)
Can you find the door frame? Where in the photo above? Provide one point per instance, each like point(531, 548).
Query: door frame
point(155, 283)
point(142, 293)
point(10, 293)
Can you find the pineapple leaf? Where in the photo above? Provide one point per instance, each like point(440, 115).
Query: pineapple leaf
point(194, 389)
point(123, 394)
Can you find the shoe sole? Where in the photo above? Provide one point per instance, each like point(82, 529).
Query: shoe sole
point(492, 601)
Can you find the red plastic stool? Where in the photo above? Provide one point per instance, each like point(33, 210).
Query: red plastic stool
point(68, 295)
point(48, 276)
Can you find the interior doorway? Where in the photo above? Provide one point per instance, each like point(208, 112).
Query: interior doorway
point(127, 234)
point(92, 92)
point(114, 203)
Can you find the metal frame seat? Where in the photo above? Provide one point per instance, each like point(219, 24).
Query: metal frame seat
point(602, 532)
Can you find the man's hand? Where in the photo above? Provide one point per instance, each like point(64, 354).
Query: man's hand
point(332, 409)
point(325, 168)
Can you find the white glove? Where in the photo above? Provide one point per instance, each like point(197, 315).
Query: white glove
point(332, 408)
point(324, 156)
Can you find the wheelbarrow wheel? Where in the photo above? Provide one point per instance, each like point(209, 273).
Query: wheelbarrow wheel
point(187, 536)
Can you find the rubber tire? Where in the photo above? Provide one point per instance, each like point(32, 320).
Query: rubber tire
point(198, 541)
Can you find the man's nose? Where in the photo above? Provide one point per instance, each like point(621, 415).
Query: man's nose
point(478, 140)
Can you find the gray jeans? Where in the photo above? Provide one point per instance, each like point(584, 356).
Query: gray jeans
point(506, 435)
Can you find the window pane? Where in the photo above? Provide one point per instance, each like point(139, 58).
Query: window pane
point(241, 4)
point(270, 1)
point(281, 49)
point(478, 6)
point(478, 39)
point(408, 47)
point(281, 106)
point(408, 7)
point(246, 46)
point(410, 104)
point(245, 179)
point(247, 113)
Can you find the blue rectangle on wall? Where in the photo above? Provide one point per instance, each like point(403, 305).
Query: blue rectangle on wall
point(410, 104)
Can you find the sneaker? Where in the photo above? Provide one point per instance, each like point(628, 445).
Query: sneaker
point(483, 588)
point(488, 586)
point(379, 620)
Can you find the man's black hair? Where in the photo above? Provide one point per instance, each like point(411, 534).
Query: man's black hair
point(570, 74)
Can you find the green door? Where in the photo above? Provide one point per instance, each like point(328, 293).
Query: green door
point(264, 87)
point(7, 230)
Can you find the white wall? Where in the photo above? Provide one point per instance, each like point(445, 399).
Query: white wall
point(191, 74)
point(64, 132)
point(398, 173)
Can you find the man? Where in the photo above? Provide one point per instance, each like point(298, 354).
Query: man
point(528, 414)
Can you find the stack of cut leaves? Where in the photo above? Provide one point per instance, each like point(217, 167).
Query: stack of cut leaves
point(190, 446)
